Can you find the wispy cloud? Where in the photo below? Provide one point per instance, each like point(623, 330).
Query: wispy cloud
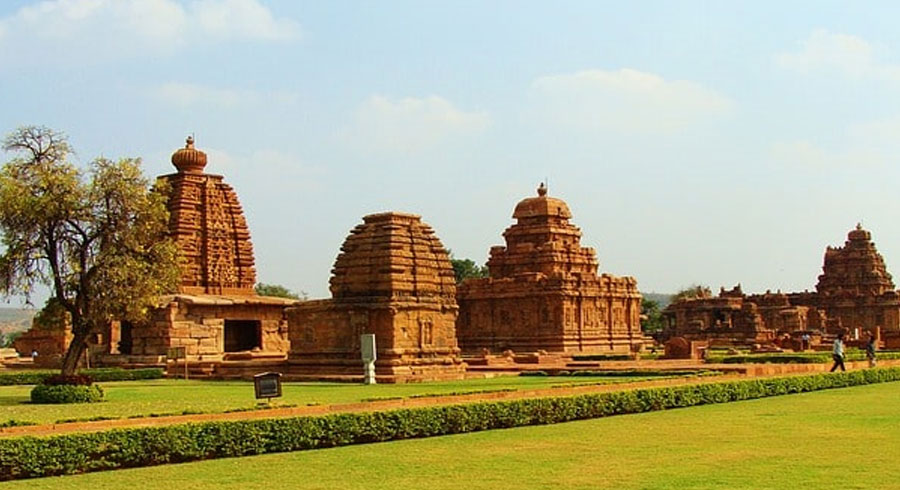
point(625, 100)
point(411, 124)
point(75, 30)
point(848, 55)
point(870, 144)
point(188, 95)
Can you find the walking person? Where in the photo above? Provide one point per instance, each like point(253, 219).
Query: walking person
point(870, 350)
point(838, 353)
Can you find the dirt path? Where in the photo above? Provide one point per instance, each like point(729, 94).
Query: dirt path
point(762, 371)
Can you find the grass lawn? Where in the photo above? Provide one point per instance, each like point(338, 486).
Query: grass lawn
point(845, 438)
point(170, 396)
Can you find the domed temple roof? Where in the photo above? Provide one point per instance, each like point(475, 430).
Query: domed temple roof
point(542, 241)
point(541, 206)
point(189, 159)
point(393, 255)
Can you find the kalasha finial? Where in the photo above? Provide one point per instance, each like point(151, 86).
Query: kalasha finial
point(189, 159)
point(859, 225)
point(542, 190)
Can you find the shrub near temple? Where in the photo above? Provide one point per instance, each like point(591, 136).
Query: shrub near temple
point(27, 457)
point(77, 388)
point(97, 374)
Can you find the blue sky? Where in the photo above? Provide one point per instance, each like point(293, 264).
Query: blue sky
point(695, 142)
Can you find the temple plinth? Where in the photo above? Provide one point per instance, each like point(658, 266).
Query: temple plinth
point(393, 278)
point(544, 292)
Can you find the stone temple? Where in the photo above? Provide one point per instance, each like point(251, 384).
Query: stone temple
point(393, 278)
point(216, 314)
point(854, 293)
point(544, 292)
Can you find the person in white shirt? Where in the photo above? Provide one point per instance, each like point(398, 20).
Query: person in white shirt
point(837, 353)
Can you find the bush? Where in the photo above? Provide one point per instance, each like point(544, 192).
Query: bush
point(27, 457)
point(66, 393)
point(98, 374)
point(74, 379)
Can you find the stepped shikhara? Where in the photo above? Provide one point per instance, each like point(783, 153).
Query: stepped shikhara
point(544, 292)
point(393, 278)
point(208, 225)
point(854, 293)
point(855, 289)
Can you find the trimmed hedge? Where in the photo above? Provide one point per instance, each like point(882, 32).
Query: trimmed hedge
point(797, 358)
point(66, 393)
point(603, 357)
point(624, 372)
point(27, 457)
point(97, 374)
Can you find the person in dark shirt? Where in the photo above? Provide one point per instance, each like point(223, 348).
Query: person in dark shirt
point(870, 350)
point(837, 353)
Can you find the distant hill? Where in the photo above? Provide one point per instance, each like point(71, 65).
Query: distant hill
point(15, 319)
point(661, 298)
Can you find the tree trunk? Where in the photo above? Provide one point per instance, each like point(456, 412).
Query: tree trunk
point(74, 353)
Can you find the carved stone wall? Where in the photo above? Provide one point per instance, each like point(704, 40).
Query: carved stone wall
point(544, 292)
point(393, 278)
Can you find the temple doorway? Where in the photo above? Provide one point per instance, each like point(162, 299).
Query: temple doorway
point(125, 341)
point(241, 335)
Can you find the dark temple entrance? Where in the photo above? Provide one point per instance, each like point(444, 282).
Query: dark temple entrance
point(241, 335)
point(125, 342)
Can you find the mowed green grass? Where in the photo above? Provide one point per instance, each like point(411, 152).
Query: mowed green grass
point(844, 438)
point(171, 396)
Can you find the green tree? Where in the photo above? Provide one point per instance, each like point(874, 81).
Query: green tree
point(467, 269)
point(278, 291)
point(693, 291)
point(98, 239)
point(651, 316)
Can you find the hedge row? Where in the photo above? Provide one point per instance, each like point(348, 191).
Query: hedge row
point(623, 372)
point(97, 374)
point(603, 357)
point(27, 457)
point(798, 358)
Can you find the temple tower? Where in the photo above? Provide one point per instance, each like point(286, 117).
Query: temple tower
point(393, 278)
point(209, 228)
point(544, 292)
point(855, 288)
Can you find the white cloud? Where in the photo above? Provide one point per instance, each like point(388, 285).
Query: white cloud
point(625, 100)
point(412, 124)
point(848, 55)
point(871, 144)
point(188, 95)
point(102, 29)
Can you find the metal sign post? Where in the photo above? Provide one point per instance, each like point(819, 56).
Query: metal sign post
point(267, 385)
point(176, 353)
point(367, 347)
